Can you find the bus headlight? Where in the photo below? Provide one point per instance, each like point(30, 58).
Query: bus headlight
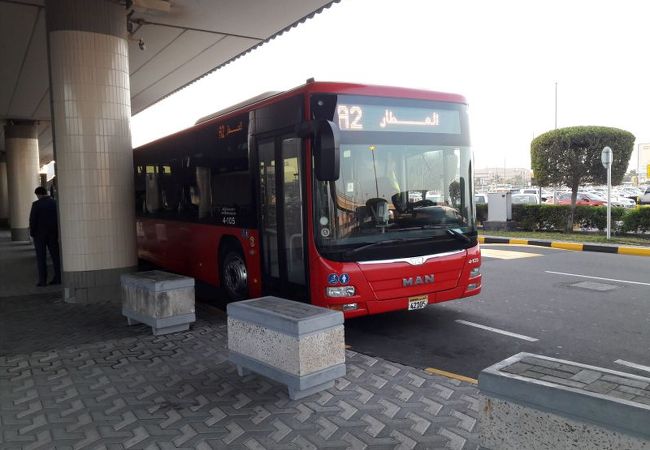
point(475, 272)
point(340, 291)
point(344, 307)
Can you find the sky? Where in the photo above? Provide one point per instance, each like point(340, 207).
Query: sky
point(504, 56)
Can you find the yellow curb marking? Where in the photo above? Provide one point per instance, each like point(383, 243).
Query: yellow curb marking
point(567, 245)
point(506, 254)
point(451, 375)
point(634, 251)
point(519, 241)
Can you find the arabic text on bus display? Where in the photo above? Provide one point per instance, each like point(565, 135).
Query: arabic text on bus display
point(397, 118)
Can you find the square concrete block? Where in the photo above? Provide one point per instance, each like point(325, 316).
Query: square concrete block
point(580, 406)
point(297, 344)
point(165, 301)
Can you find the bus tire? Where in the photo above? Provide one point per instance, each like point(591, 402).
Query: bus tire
point(234, 275)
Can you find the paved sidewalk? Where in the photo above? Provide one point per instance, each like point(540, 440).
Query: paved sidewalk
point(76, 376)
point(18, 273)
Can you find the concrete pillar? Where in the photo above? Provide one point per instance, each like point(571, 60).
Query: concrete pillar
point(21, 144)
point(91, 114)
point(4, 193)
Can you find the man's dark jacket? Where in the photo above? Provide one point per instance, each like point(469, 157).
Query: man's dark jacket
point(42, 219)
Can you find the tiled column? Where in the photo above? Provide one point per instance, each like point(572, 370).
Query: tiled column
point(91, 114)
point(21, 143)
point(4, 193)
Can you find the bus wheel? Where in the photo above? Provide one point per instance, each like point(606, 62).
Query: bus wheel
point(234, 276)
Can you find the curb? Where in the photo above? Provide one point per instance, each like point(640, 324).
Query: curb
point(621, 250)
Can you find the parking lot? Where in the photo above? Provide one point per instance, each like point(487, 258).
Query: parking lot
point(587, 307)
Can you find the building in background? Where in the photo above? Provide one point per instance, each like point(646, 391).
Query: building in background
point(491, 179)
point(643, 162)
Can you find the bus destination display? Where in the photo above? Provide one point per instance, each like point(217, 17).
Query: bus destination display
point(357, 117)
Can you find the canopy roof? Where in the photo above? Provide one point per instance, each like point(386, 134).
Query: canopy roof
point(183, 41)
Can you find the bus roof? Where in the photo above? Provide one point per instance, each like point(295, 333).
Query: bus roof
point(316, 87)
point(380, 91)
point(238, 106)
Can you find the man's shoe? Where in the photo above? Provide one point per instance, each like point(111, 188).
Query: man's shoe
point(54, 282)
point(40, 284)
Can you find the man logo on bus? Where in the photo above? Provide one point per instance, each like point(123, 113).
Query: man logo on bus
point(411, 281)
point(344, 278)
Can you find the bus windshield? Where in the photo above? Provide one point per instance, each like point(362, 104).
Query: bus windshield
point(407, 184)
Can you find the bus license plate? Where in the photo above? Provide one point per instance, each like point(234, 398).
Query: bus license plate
point(418, 302)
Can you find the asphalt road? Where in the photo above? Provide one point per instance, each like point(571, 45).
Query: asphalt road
point(542, 295)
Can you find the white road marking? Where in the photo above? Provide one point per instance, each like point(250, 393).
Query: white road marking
point(633, 365)
point(505, 254)
point(598, 278)
point(496, 330)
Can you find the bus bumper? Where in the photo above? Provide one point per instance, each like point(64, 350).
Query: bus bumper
point(402, 303)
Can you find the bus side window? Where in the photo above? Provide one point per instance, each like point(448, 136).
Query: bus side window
point(185, 181)
point(232, 189)
point(169, 188)
point(230, 179)
point(152, 195)
point(201, 193)
point(140, 191)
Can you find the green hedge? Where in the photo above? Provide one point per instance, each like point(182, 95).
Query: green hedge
point(541, 217)
point(555, 217)
point(636, 220)
point(596, 217)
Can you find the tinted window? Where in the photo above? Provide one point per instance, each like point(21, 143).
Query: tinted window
point(198, 176)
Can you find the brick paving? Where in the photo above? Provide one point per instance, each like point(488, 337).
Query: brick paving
point(18, 274)
point(76, 377)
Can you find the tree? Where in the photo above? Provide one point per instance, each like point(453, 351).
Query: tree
point(571, 157)
point(630, 176)
point(454, 193)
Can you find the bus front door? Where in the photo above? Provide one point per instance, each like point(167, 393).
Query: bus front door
point(281, 214)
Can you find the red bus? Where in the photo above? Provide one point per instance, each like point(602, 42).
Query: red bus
point(352, 197)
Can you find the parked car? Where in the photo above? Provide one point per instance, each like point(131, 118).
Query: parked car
point(554, 197)
point(623, 202)
point(583, 199)
point(618, 200)
point(480, 199)
point(524, 199)
point(632, 192)
point(546, 195)
point(645, 198)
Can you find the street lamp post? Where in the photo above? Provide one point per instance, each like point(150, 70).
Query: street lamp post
point(606, 157)
point(556, 105)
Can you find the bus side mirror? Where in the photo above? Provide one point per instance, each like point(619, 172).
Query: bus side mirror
point(327, 154)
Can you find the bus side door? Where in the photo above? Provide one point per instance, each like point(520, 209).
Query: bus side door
point(281, 185)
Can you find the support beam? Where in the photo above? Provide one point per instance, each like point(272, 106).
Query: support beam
point(21, 144)
point(4, 193)
point(91, 111)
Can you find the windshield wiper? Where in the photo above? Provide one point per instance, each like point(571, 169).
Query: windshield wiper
point(458, 235)
point(452, 232)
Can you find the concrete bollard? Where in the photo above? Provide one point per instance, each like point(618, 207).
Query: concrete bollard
point(164, 301)
point(293, 343)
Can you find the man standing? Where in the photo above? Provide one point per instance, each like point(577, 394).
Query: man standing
point(44, 228)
